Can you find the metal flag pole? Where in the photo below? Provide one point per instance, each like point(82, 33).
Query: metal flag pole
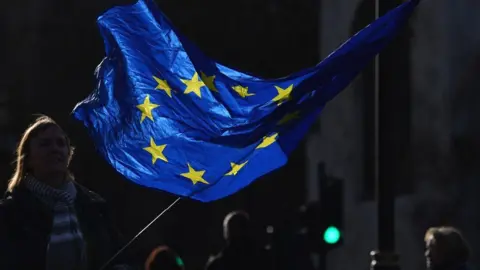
point(140, 233)
point(385, 257)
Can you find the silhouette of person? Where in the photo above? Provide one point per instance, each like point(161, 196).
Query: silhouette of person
point(446, 249)
point(164, 258)
point(241, 251)
point(48, 220)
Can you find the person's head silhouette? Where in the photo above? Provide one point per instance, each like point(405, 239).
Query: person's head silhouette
point(236, 228)
point(164, 258)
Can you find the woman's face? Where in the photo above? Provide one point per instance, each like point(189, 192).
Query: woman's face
point(49, 153)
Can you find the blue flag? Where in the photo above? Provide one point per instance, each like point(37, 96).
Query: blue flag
point(166, 116)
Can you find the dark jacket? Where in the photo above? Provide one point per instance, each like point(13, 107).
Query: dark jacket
point(25, 226)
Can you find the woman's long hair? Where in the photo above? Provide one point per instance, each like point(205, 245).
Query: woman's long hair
point(39, 125)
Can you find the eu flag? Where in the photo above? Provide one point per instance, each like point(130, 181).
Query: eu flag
point(166, 116)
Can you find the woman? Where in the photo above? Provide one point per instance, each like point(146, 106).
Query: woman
point(445, 249)
point(47, 220)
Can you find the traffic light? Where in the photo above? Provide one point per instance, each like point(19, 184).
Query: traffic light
point(332, 235)
point(331, 210)
point(323, 219)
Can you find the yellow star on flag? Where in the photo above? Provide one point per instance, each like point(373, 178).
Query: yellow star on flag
point(242, 91)
point(289, 117)
point(283, 94)
point(163, 85)
point(193, 85)
point(236, 168)
point(156, 151)
point(146, 109)
point(267, 141)
point(209, 81)
point(194, 176)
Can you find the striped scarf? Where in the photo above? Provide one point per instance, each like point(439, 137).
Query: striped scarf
point(66, 247)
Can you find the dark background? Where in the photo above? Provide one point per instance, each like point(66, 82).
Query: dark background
point(49, 50)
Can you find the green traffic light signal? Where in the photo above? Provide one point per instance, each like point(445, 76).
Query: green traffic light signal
point(331, 235)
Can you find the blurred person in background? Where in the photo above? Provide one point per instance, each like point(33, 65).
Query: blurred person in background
point(47, 220)
point(241, 251)
point(164, 258)
point(445, 249)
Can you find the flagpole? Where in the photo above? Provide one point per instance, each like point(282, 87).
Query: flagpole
point(105, 265)
point(384, 258)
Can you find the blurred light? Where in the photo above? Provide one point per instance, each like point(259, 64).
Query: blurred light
point(331, 235)
point(179, 261)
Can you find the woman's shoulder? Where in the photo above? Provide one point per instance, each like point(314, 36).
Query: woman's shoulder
point(9, 198)
point(6, 207)
point(5, 204)
point(88, 194)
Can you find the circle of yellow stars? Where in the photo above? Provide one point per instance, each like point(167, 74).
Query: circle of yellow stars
point(194, 86)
